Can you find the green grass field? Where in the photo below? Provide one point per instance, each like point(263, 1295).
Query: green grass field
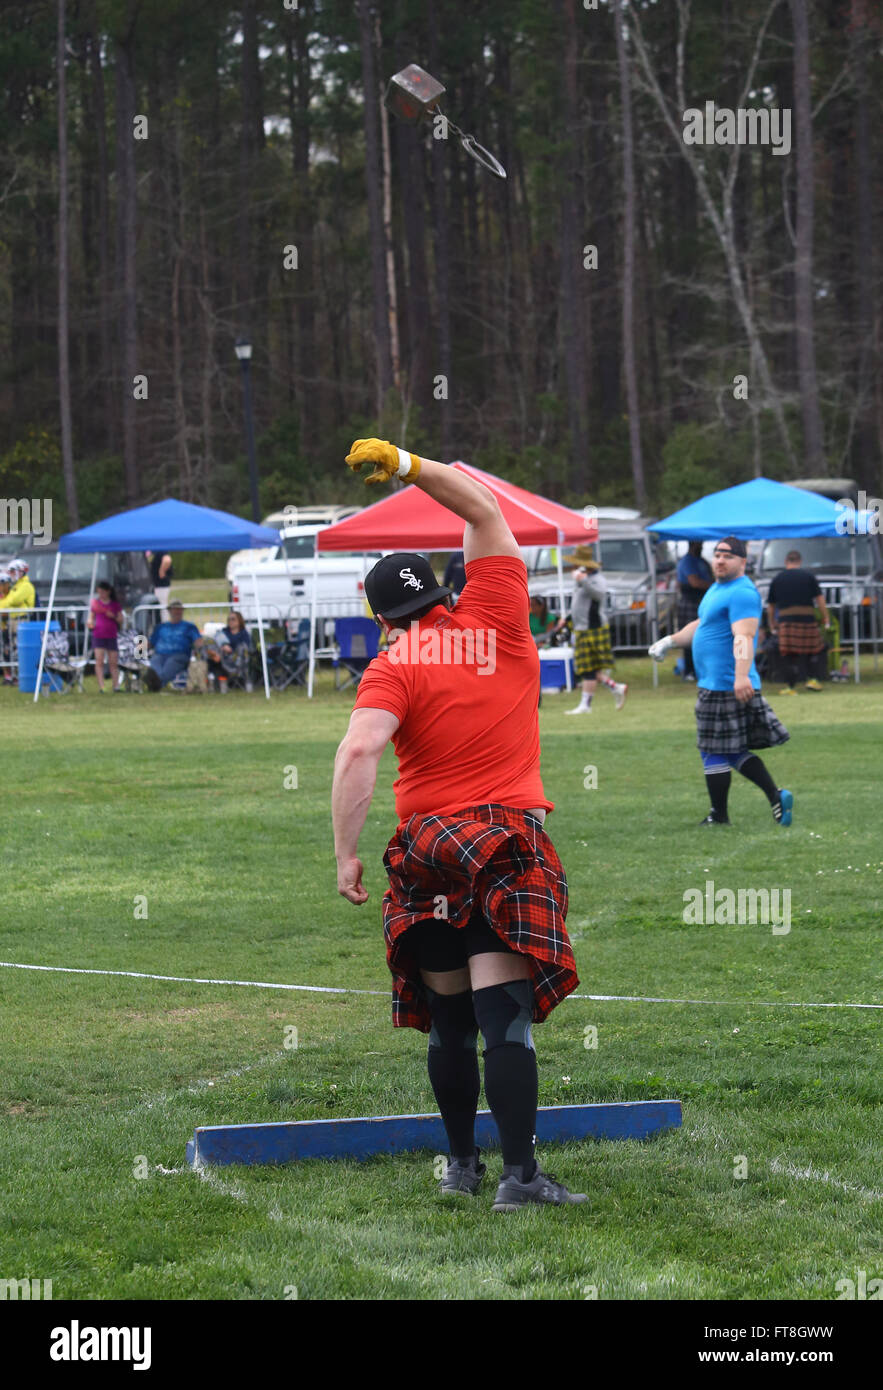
point(181, 801)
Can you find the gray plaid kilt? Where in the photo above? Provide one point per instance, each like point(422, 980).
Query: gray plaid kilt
point(726, 725)
point(688, 610)
point(591, 651)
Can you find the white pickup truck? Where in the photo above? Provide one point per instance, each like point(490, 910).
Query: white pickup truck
point(285, 580)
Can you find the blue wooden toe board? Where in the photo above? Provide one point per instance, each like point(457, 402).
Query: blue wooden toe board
point(366, 1136)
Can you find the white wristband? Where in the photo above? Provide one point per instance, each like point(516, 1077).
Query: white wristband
point(404, 463)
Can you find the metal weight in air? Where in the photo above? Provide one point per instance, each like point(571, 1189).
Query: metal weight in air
point(413, 95)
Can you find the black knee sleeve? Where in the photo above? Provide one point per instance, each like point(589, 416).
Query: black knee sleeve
point(453, 1020)
point(505, 1013)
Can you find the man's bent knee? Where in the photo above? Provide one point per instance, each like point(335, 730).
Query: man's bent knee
point(505, 1013)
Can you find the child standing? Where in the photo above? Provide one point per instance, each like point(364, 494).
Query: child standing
point(105, 620)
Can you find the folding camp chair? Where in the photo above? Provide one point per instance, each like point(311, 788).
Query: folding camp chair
point(65, 671)
point(356, 640)
point(132, 665)
point(288, 661)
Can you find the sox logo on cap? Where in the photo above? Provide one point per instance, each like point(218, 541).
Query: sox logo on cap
point(410, 579)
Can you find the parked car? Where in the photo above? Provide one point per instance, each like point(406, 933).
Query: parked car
point(126, 570)
point(284, 579)
point(626, 552)
point(830, 560)
point(288, 520)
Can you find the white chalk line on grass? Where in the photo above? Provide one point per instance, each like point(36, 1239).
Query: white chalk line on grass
point(790, 1170)
point(191, 980)
point(384, 993)
point(723, 1003)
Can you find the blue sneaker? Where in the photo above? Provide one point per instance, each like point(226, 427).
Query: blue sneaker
point(784, 807)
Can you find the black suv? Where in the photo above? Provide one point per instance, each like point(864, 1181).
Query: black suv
point(127, 570)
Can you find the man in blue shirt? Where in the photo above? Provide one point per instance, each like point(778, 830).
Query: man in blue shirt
point(172, 644)
point(732, 717)
point(694, 579)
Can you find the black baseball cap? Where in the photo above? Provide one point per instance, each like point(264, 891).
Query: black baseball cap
point(733, 543)
point(399, 584)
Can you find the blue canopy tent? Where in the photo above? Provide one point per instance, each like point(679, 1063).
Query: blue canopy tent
point(162, 526)
point(765, 510)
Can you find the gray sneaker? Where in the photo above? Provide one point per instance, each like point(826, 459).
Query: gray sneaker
point(512, 1194)
point(463, 1177)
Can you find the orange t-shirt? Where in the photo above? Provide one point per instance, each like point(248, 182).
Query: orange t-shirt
point(464, 686)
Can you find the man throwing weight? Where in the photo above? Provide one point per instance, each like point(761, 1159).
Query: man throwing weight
point(477, 897)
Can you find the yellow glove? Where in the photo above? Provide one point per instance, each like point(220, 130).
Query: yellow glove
point(388, 460)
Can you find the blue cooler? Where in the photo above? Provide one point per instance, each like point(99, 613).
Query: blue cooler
point(30, 640)
point(554, 662)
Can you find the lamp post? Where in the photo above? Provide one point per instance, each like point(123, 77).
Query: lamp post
point(243, 352)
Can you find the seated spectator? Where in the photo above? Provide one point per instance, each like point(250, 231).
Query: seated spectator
point(104, 621)
point(543, 626)
point(22, 593)
point(171, 644)
point(229, 652)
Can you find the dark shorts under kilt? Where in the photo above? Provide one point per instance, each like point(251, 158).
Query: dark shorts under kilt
point(492, 857)
point(688, 610)
point(800, 639)
point(591, 651)
point(727, 725)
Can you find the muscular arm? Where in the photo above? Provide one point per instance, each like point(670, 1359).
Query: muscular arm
point(486, 532)
point(355, 773)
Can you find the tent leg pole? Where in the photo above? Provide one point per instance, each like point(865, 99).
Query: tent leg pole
point(568, 681)
point(654, 619)
point(856, 613)
point(313, 620)
point(46, 625)
point(257, 605)
point(86, 642)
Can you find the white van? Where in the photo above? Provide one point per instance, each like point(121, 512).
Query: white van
point(285, 580)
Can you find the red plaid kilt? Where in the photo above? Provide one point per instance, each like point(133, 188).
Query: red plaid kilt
point(495, 857)
point(800, 639)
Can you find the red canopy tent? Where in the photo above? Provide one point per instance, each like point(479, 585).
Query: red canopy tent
point(410, 520)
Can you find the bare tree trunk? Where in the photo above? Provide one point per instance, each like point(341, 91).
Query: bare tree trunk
point(64, 369)
point(126, 206)
point(105, 293)
point(415, 375)
point(861, 50)
point(375, 208)
point(305, 355)
point(441, 231)
point(179, 234)
point(389, 252)
point(628, 263)
point(208, 353)
point(813, 448)
point(570, 285)
point(721, 218)
point(247, 153)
